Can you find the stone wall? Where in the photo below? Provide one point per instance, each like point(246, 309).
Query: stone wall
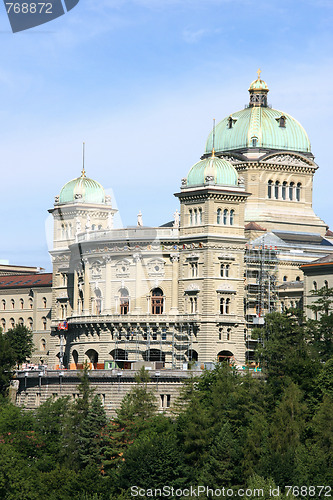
point(34, 387)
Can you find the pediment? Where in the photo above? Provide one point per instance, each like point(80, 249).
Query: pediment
point(290, 159)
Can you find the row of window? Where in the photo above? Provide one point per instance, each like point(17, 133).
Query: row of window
point(284, 191)
point(157, 302)
point(20, 321)
point(226, 217)
point(21, 303)
point(315, 286)
point(195, 216)
point(224, 270)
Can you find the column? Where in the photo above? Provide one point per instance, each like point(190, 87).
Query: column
point(86, 289)
point(137, 260)
point(75, 293)
point(107, 300)
point(174, 290)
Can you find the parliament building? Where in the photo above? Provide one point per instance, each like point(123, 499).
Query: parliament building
point(190, 290)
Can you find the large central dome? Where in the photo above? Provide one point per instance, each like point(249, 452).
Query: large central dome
point(258, 126)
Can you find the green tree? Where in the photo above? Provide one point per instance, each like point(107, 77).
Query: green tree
point(21, 340)
point(284, 352)
point(7, 364)
point(220, 467)
point(320, 330)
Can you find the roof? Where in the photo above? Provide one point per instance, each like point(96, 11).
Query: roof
point(291, 284)
point(253, 226)
point(329, 233)
point(260, 123)
point(82, 189)
point(212, 169)
point(327, 260)
point(302, 238)
point(26, 281)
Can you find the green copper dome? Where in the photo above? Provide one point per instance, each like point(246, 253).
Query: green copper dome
point(259, 126)
point(212, 170)
point(82, 190)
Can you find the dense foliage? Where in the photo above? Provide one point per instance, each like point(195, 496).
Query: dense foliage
point(228, 430)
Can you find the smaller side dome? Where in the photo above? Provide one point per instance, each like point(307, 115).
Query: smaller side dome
point(212, 170)
point(82, 189)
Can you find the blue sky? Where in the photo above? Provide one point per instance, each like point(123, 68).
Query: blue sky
point(140, 82)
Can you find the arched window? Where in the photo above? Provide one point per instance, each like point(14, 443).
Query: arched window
point(222, 270)
point(269, 189)
point(44, 324)
point(284, 190)
point(3, 324)
point(282, 306)
point(218, 217)
point(232, 213)
point(193, 304)
point(157, 301)
point(12, 303)
point(228, 336)
point(124, 301)
point(276, 190)
point(326, 284)
point(42, 345)
point(194, 270)
point(21, 321)
point(195, 216)
point(227, 306)
point(291, 191)
point(315, 287)
point(298, 191)
point(225, 356)
point(221, 305)
point(93, 227)
point(12, 323)
point(298, 278)
point(30, 323)
point(200, 215)
point(230, 122)
point(254, 141)
point(227, 267)
point(44, 302)
point(285, 278)
point(3, 304)
point(21, 303)
point(98, 301)
point(191, 217)
point(30, 303)
point(225, 216)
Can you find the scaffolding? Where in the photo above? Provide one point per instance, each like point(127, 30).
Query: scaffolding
point(261, 276)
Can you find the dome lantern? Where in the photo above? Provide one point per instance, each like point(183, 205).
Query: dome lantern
point(258, 92)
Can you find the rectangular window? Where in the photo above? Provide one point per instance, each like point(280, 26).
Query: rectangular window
point(168, 401)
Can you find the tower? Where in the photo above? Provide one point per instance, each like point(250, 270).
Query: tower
point(211, 280)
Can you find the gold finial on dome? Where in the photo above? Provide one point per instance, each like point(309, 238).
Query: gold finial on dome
point(83, 172)
point(213, 153)
point(259, 73)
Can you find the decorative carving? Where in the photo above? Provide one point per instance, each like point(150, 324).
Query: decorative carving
point(140, 221)
point(184, 181)
point(209, 178)
point(192, 288)
point(156, 267)
point(88, 223)
point(174, 258)
point(287, 159)
point(56, 199)
point(110, 220)
point(122, 268)
point(241, 181)
point(78, 196)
